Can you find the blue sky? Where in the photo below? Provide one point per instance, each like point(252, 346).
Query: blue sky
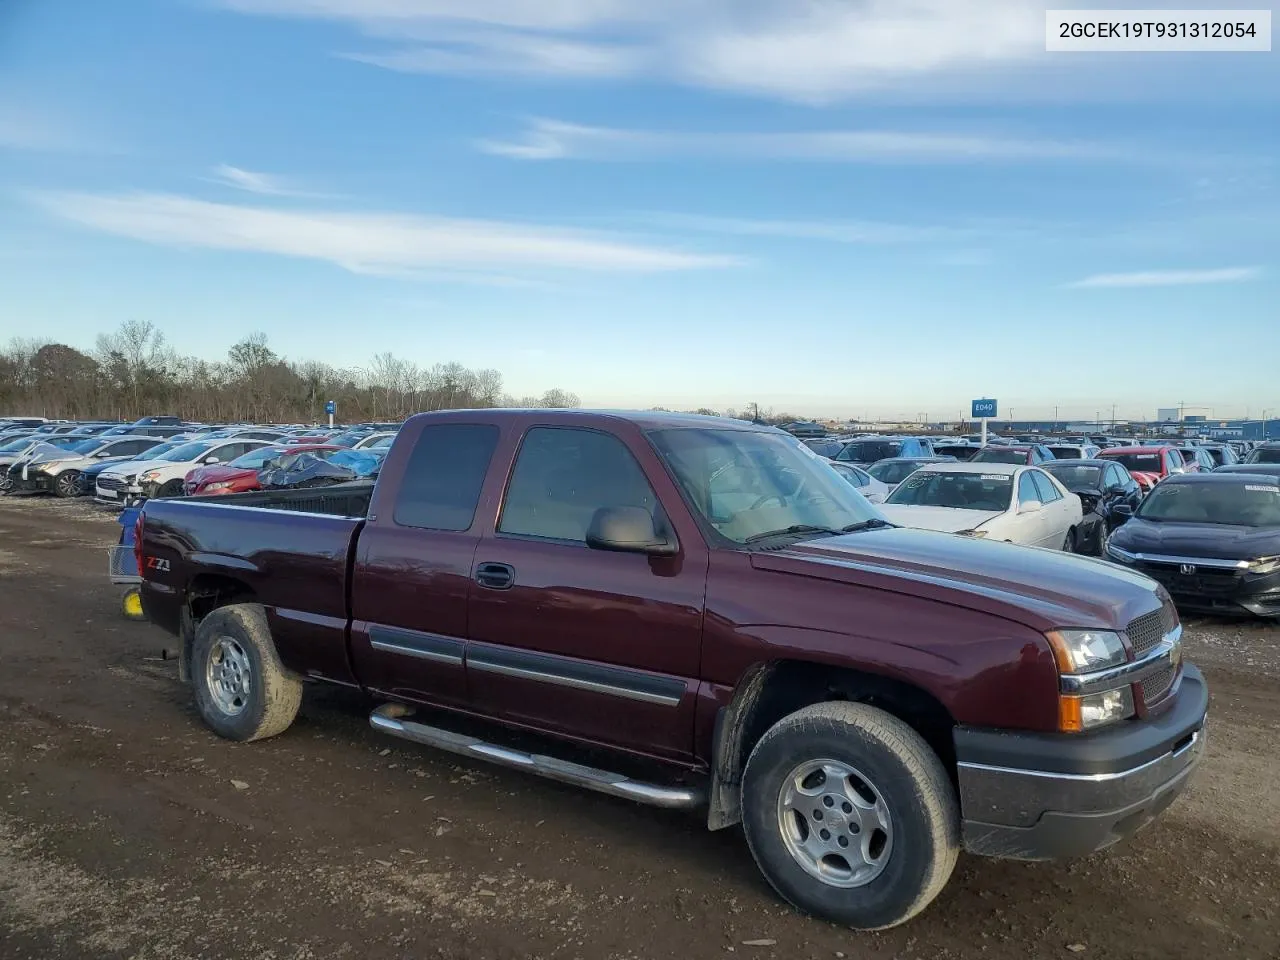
point(842, 207)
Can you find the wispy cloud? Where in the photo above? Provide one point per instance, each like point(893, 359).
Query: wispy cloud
point(369, 242)
point(816, 51)
point(1170, 278)
point(251, 181)
point(546, 139)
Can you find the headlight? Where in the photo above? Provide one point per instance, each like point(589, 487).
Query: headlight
point(218, 486)
point(1076, 714)
point(1115, 553)
point(1083, 651)
point(1265, 565)
point(150, 475)
point(49, 465)
point(972, 533)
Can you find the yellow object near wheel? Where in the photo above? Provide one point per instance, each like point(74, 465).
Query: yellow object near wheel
point(131, 604)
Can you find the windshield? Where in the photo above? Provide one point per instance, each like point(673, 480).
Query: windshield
point(86, 446)
point(187, 451)
point(255, 458)
point(869, 451)
point(1141, 462)
point(1077, 478)
point(16, 445)
point(1243, 504)
point(158, 451)
point(744, 484)
point(893, 471)
point(383, 444)
point(994, 455)
point(967, 491)
point(1268, 455)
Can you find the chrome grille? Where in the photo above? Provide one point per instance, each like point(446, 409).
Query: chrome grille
point(1149, 629)
point(1157, 685)
point(111, 483)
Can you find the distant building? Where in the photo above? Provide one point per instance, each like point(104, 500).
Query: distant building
point(1167, 415)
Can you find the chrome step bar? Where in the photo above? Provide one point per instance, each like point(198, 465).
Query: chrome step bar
point(393, 718)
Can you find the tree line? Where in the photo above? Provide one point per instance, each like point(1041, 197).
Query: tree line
point(133, 372)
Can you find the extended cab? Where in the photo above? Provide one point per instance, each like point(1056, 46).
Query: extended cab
point(707, 605)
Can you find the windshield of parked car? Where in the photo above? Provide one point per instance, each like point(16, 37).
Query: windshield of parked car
point(967, 491)
point(747, 484)
point(187, 451)
point(255, 458)
point(1075, 477)
point(13, 446)
point(893, 471)
point(1264, 455)
point(998, 455)
point(1248, 504)
point(1141, 462)
point(869, 451)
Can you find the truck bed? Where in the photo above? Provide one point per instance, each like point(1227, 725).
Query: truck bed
point(338, 500)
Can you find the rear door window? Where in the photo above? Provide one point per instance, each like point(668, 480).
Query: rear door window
point(442, 481)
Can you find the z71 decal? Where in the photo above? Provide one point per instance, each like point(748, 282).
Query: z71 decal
point(158, 563)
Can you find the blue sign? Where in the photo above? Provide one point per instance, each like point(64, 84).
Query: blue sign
point(330, 407)
point(984, 409)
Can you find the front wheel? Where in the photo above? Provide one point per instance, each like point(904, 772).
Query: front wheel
point(171, 489)
point(1069, 544)
point(242, 690)
point(68, 484)
point(850, 815)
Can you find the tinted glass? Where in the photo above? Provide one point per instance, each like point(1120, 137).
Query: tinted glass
point(1250, 504)
point(1065, 453)
point(187, 451)
point(1048, 492)
point(442, 480)
point(1079, 478)
point(869, 451)
point(997, 455)
point(562, 477)
point(1142, 462)
point(965, 491)
point(855, 476)
point(894, 471)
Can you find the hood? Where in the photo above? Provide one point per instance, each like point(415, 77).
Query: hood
point(1041, 589)
point(219, 472)
point(1216, 541)
point(945, 519)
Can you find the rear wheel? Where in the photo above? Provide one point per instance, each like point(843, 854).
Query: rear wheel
point(850, 815)
point(242, 690)
point(69, 483)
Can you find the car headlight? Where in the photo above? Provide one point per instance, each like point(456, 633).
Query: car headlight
point(1264, 565)
point(150, 475)
point(1083, 651)
point(1076, 714)
point(972, 533)
point(49, 465)
point(1116, 553)
point(218, 486)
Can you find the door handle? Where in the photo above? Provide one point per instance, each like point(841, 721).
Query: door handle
point(496, 576)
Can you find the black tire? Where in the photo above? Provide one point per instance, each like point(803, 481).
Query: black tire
point(171, 489)
point(908, 776)
point(1069, 544)
point(234, 633)
point(67, 484)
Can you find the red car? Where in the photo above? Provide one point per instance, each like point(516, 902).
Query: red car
point(241, 474)
point(1148, 465)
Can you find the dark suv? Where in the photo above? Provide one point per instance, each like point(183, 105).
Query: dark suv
point(867, 450)
point(1264, 453)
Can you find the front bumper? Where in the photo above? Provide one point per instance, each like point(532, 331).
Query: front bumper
point(1050, 796)
point(34, 482)
point(122, 496)
point(1214, 590)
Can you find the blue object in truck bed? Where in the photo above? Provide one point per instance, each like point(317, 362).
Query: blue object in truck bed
point(124, 565)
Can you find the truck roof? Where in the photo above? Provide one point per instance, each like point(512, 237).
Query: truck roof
point(645, 419)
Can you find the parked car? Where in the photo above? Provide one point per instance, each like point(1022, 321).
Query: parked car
point(1074, 451)
point(867, 450)
point(135, 480)
point(1147, 465)
point(374, 440)
point(825, 446)
point(708, 598)
point(321, 470)
point(1196, 459)
point(1026, 454)
point(146, 430)
point(1108, 496)
point(1264, 453)
point(893, 471)
point(996, 501)
point(241, 474)
point(867, 485)
point(26, 449)
point(1222, 454)
point(1257, 469)
point(1212, 540)
point(61, 471)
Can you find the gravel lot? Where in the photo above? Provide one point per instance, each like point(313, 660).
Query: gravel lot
point(128, 830)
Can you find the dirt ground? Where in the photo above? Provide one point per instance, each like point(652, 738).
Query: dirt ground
point(129, 830)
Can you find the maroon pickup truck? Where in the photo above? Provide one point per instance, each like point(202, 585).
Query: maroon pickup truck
point(697, 612)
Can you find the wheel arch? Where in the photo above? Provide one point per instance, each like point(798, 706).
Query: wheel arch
point(772, 690)
point(205, 593)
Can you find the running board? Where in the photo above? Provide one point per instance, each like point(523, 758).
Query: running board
point(392, 718)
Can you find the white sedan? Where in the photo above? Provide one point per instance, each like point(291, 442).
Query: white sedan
point(998, 501)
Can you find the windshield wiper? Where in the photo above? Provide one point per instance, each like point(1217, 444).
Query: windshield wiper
point(875, 523)
point(794, 528)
